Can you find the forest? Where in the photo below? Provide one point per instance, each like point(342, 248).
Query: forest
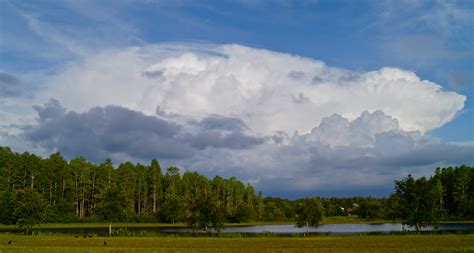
point(53, 190)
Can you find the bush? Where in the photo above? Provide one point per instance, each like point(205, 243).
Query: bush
point(121, 232)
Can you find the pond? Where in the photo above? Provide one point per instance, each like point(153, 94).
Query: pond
point(345, 228)
point(277, 229)
point(334, 228)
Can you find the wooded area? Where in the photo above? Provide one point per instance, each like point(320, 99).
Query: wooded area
point(35, 189)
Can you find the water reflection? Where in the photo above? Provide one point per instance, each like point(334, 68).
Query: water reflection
point(278, 229)
point(336, 228)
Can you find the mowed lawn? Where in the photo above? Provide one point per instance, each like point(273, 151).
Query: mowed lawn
point(382, 243)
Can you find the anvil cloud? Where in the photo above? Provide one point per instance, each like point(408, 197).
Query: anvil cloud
point(269, 91)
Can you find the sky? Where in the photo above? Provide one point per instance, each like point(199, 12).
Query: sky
point(298, 98)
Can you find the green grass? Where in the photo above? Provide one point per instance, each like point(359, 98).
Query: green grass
point(351, 220)
point(458, 221)
point(382, 243)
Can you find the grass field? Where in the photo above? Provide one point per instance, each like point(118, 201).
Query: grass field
point(384, 243)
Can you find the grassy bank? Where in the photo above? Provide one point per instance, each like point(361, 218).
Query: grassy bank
point(408, 243)
point(351, 220)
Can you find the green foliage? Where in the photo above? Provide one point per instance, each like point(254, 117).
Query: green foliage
point(244, 213)
point(29, 209)
point(121, 232)
point(457, 191)
point(309, 213)
point(6, 208)
point(418, 202)
point(268, 234)
point(203, 206)
point(370, 209)
point(124, 232)
point(205, 214)
point(109, 206)
point(392, 207)
point(171, 209)
point(278, 209)
point(81, 191)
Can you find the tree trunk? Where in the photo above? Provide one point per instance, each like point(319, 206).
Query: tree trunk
point(64, 188)
point(139, 205)
point(307, 229)
point(55, 192)
point(32, 181)
point(109, 180)
point(145, 202)
point(77, 197)
point(24, 179)
point(93, 191)
point(82, 208)
point(154, 190)
point(154, 202)
point(50, 191)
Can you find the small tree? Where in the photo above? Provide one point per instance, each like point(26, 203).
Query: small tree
point(109, 208)
point(308, 213)
point(29, 209)
point(417, 202)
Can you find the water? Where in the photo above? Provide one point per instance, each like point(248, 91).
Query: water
point(345, 228)
point(277, 229)
point(335, 228)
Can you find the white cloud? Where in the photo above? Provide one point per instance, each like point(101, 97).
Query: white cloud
point(269, 91)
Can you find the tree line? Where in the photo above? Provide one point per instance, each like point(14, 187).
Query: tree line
point(35, 189)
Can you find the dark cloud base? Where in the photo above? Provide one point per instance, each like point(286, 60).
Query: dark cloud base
point(101, 132)
point(337, 158)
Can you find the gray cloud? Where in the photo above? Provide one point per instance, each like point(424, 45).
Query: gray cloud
point(235, 140)
point(338, 156)
point(221, 132)
point(51, 110)
point(111, 130)
point(101, 132)
point(217, 122)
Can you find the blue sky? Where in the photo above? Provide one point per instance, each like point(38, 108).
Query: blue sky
point(45, 43)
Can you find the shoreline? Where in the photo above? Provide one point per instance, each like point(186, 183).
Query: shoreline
point(328, 220)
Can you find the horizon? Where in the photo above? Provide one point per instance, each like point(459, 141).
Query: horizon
point(297, 98)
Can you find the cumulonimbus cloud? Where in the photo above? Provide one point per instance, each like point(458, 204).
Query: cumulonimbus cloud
point(267, 90)
point(268, 118)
